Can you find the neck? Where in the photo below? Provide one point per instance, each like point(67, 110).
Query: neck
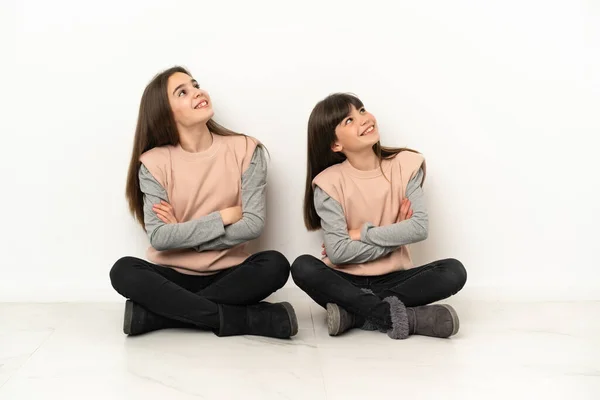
point(365, 160)
point(195, 139)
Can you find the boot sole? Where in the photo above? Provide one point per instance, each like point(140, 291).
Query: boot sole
point(334, 319)
point(128, 317)
point(455, 320)
point(293, 319)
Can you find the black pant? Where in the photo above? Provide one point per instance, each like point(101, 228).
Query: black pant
point(414, 287)
point(193, 299)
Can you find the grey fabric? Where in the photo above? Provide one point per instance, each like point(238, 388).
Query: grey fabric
point(340, 248)
point(208, 232)
point(412, 230)
point(400, 327)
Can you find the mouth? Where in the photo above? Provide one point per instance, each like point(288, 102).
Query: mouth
point(368, 131)
point(202, 104)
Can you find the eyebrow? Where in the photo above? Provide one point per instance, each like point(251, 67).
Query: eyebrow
point(182, 85)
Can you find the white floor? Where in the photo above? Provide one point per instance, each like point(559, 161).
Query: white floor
point(505, 350)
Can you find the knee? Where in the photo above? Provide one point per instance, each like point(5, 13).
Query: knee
point(276, 267)
point(121, 274)
point(457, 275)
point(304, 268)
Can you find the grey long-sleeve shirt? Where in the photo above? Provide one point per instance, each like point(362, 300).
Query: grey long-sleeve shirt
point(375, 242)
point(208, 232)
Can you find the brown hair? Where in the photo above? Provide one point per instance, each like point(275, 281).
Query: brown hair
point(324, 118)
point(156, 127)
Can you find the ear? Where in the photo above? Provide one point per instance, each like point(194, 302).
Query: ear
point(336, 147)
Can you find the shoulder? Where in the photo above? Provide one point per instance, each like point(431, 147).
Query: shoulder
point(409, 159)
point(329, 176)
point(241, 144)
point(242, 147)
point(157, 162)
point(410, 164)
point(330, 181)
point(156, 156)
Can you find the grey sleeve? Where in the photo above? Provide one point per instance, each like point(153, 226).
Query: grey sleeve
point(174, 236)
point(340, 248)
point(404, 232)
point(254, 188)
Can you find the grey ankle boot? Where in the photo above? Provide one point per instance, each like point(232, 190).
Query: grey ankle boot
point(437, 320)
point(339, 321)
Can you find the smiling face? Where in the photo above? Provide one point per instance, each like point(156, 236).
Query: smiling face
point(356, 132)
point(190, 104)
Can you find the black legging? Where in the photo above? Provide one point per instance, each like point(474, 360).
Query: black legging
point(414, 287)
point(193, 299)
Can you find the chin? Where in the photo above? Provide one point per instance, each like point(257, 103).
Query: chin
point(374, 138)
point(210, 113)
point(206, 116)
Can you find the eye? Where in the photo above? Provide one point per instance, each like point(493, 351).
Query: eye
point(348, 121)
point(180, 94)
point(196, 85)
point(362, 110)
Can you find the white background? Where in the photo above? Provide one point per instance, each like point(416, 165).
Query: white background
point(502, 97)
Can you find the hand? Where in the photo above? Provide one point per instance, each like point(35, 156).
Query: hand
point(165, 212)
point(405, 211)
point(323, 252)
point(354, 234)
point(231, 215)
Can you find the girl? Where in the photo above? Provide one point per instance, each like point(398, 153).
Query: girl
point(198, 189)
point(368, 200)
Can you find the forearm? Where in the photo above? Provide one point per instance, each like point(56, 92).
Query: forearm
point(343, 250)
point(242, 231)
point(412, 230)
point(188, 234)
point(398, 234)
